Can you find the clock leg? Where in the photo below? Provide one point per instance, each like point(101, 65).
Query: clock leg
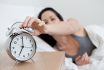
point(16, 62)
point(32, 60)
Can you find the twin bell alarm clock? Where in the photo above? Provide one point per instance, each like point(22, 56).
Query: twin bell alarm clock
point(21, 46)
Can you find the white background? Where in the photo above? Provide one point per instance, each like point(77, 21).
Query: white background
point(86, 11)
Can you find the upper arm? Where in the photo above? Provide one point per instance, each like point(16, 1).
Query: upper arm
point(74, 25)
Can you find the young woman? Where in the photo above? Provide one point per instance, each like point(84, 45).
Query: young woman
point(69, 36)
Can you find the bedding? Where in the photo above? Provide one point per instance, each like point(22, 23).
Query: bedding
point(96, 35)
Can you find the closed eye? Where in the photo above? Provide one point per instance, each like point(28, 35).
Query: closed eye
point(52, 19)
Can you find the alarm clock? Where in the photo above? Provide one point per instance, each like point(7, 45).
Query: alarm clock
point(21, 46)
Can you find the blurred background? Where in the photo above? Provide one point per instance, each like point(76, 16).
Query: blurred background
point(86, 11)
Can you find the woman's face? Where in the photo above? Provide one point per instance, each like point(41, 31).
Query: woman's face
point(49, 17)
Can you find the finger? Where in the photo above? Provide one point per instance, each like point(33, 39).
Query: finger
point(37, 24)
point(42, 23)
point(34, 23)
point(25, 23)
point(78, 62)
point(79, 57)
point(81, 61)
point(84, 58)
point(21, 26)
point(35, 33)
point(87, 58)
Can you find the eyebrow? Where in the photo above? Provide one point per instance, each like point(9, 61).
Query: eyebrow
point(51, 16)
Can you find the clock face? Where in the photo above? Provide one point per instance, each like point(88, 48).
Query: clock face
point(23, 47)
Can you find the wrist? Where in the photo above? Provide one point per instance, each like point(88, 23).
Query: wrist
point(42, 27)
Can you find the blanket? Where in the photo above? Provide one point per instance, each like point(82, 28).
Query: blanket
point(96, 35)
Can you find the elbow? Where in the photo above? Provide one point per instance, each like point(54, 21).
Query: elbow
point(75, 25)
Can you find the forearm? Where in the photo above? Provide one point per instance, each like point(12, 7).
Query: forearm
point(62, 28)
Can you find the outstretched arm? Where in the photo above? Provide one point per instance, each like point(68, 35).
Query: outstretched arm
point(63, 28)
point(60, 28)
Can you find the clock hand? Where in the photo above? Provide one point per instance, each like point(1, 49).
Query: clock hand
point(21, 46)
point(20, 51)
point(22, 42)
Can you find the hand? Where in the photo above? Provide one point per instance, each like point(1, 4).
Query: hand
point(35, 24)
point(82, 60)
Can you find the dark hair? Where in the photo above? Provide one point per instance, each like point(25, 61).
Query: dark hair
point(50, 9)
point(48, 38)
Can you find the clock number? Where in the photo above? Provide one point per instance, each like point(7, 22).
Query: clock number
point(23, 55)
point(15, 42)
point(28, 54)
point(30, 41)
point(32, 45)
point(17, 39)
point(13, 47)
point(15, 52)
point(31, 50)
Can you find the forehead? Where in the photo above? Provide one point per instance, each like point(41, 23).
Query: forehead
point(48, 14)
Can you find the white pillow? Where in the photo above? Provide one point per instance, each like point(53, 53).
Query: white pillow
point(42, 45)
